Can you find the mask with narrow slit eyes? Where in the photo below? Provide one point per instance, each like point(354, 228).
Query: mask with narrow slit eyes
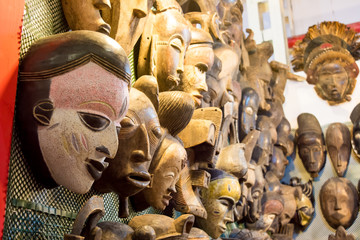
point(82, 129)
point(219, 201)
point(70, 108)
point(139, 136)
point(339, 147)
point(339, 202)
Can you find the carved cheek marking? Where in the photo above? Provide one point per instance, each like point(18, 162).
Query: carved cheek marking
point(74, 142)
point(65, 144)
point(84, 142)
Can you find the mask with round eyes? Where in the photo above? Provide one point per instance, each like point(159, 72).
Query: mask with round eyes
point(86, 15)
point(248, 109)
point(165, 39)
point(339, 202)
point(139, 137)
point(219, 201)
point(338, 146)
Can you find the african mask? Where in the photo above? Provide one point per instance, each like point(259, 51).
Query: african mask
point(69, 109)
point(284, 137)
point(338, 146)
point(256, 192)
point(264, 146)
point(290, 195)
point(272, 204)
point(311, 144)
point(339, 202)
point(341, 234)
point(232, 160)
point(222, 86)
point(212, 82)
point(327, 55)
point(127, 20)
point(86, 15)
point(248, 108)
point(304, 205)
point(165, 227)
point(163, 44)
point(230, 13)
point(198, 59)
point(219, 201)
point(165, 168)
point(278, 162)
point(355, 119)
point(139, 137)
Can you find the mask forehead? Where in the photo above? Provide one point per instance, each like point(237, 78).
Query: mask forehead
point(90, 87)
point(224, 187)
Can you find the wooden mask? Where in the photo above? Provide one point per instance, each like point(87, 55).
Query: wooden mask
point(355, 119)
point(311, 144)
point(163, 44)
point(219, 201)
point(339, 202)
point(127, 20)
point(165, 227)
point(199, 59)
point(248, 109)
point(278, 162)
point(86, 15)
point(69, 109)
point(165, 168)
point(139, 137)
point(284, 137)
point(339, 147)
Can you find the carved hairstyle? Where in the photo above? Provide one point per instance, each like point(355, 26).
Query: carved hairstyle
point(50, 57)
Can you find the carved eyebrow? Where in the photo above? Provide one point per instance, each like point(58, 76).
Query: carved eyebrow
point(123, 107)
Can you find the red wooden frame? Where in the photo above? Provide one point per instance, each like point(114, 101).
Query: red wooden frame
point(11, 13)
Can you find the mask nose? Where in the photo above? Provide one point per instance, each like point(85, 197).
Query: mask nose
point(141, 8)
point(229, 217)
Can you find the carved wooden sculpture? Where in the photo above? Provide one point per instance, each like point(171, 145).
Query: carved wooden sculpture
point(165, 227)
point(219, 201)
point(127, 20)
point(327, 54)
point(139, 138)
point(304, 206)
point(284, 138)
point(163, 44)
point(265, 143)
point(212, 81)
point(290, 195)
point(199, 59)
point(86, 15)
point(198, 234)
point(165, 168)
point(355, 119)
point(339, 202)
point(278, 162)
point(341, 234)
point(311, 144)
point(70, 107)
point(338, 144)
point(248, 109)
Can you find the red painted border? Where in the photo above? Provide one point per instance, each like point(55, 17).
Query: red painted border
point(11, 13)
point(292, 40)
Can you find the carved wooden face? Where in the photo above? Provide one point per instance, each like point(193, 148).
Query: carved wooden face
point(82, 129)
point(199, 58)
point(219, 201)
point(339, 147)
point(139, 137)
point(312, 152)
point(332, 81)
point(172, 39)
point(231, 19)
point(305, 210)
point(278, 162)
point(257, 192)
point(86, 15)
point(289, 209)
point(339, 202)
point(263, 149)
point(248, 112)
point(356, 136)
point(127, 20)
point(165, 174)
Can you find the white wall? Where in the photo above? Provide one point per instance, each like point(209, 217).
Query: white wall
point(309, 12)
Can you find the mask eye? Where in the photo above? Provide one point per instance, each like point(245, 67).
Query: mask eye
point(93, 121)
